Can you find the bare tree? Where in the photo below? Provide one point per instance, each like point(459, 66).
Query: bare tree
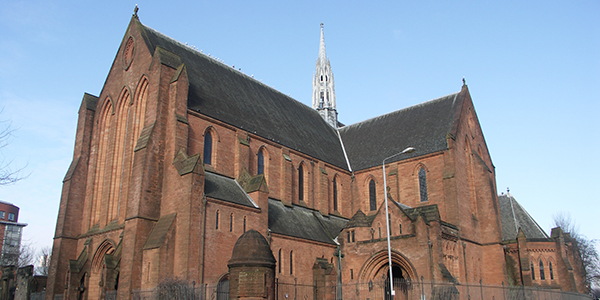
point(7, 174)
point(590, 258)
point(19, 256)
point(44, 262)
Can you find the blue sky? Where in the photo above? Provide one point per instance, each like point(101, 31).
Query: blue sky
point(533, 70)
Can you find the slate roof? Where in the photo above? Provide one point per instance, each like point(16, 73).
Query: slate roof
point(513, 216)
point(223, 93)
point(226, 189)
point(423, 126)
point(301, 222)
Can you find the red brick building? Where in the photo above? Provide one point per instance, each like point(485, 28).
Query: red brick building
point(180, 155)
point(10, 231)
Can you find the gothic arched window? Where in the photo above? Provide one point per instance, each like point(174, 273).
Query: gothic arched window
point(372, 196)
point(335, 194)
point(279, 261)
point(550, 269)
point(208, 148)
point(542, 275)
point(260, 163)
point(532, 272)
point(291, 262)
point(423, 184)
point(300, 183)
point(217, 220)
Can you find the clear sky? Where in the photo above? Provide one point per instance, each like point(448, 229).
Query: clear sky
point(532, 67)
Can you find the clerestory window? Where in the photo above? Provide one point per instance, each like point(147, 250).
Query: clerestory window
point(423, 184)
point(372, 196)
point(208, 148)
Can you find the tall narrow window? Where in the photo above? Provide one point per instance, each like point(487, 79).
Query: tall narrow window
point(291, 262)
point(353, 236)
point(279, 261)
point(550, 269)
point(542, 275)
point(400, 227)
point(217, 220)
point(300, 183)
point(390, 223)
point(208, 148)
point(244, 224)
point(335, 194)
point(532, 272)
point(423, 184)
point(348, 236)
point(260, 163)
point(231, 222)
point(372, 196)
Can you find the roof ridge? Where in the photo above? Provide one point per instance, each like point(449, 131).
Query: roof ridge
point(196, 51)
point(401, 110)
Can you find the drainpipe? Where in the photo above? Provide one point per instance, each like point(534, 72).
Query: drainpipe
point(202, 242)
point(338, 253)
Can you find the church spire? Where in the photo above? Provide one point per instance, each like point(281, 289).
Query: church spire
point(323, 98)
point(322, 54)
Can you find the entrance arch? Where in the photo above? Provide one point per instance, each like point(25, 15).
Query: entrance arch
point(376, 270)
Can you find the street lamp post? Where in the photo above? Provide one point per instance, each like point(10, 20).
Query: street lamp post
point(387, 216)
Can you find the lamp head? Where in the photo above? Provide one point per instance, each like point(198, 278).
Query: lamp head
point(408, 150)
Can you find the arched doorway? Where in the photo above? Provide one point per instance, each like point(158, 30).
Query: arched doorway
point(223, 288)
point(375, 273)
point(401, 280)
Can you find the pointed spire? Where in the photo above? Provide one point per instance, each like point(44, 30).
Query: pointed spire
point(323, 98)
point(322, 54)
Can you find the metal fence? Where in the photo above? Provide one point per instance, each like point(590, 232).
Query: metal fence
point(379, 290)
point(190, 292)
point(423, 290)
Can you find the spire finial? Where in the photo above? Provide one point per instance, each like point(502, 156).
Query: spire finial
point(464, 81)
point(321, 24)
point(135, 10)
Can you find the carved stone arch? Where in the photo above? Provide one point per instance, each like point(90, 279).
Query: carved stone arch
point(376, 266)
point(368, 179)
point(107, 103)
point(106, 247)
point(265, 151)
point(125, 92)
point(418, 166)
point(213, 131)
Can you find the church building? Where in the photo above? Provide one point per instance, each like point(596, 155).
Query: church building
point(180, 155)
